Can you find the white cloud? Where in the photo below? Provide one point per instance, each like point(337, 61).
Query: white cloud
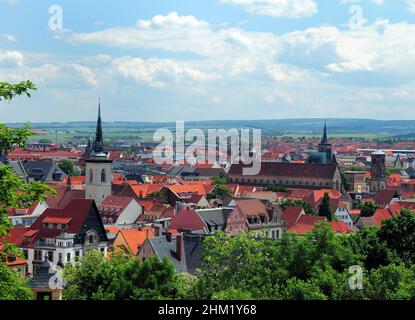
point(160, 72)
point(11, 58)
point(380, 47)
point(293, 9)
point(377, 2)
point(287, 73)
point(86, 73)
point(411, 5)
point(8, 37)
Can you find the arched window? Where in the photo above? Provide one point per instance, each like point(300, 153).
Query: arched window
point(103, 177)
point(91, 176)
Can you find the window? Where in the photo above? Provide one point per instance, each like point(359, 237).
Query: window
point(230, 228)
point(68, 257)
point(103, 175)
point(60, 258)
point(91, 175)
point(236, 217)
point(38, 255)
point(50, 256)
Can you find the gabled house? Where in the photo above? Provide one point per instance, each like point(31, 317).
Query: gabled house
point(341, 212)
point(63, 235)
point(131, 240)
point(26, 216)
point(44, 170)
point(261, 218)
point(377, 219)
point(120, 210)
point(183, 250)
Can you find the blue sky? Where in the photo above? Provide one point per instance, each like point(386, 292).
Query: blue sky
point(209, 59)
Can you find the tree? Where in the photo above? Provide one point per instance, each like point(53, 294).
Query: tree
point(45, 141)
point(399, 235)
point(160, 196)
point(218, 192)
point(14, 193)
point(12, 287)
point(277, 188)
point(67, 166)
point(221, 179)
point(346, 182)
point(367, 209)
point(325, 208)
point(123, 277)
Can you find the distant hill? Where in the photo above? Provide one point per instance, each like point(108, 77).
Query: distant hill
point(282, 126)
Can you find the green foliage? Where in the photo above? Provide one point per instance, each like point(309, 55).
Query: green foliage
point(277, 188)
point(67, 166)
point(9, 91)
point(12, 287)
point(394, 170)
point(232, 294)
point(222, 179)
point(160, 196)
point(45, 141)
point(298, 203)
point(346, 182)
point(11, 138)
point(399, 235)
point(367, 209)
point(218, 192)
point(122, 277)
point(325, 208)
point(353, 168)
point(313, 267)
point(14, 193)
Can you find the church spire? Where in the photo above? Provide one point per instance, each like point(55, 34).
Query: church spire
point(98, 147)
point(325, 140)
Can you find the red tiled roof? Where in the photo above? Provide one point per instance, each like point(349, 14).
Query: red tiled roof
point(340, 227)
point(291, 215)
point(77, 210)
point(145, 190)
point(380, 215)
point(321, 171)
point(187, 219)
point(57, 220)
point(116, 202)
point(251, 207)
point(135, 237)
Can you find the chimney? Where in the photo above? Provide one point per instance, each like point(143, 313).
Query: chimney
point(179, 246)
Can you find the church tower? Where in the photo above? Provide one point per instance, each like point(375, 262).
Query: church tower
point(378, 171)
point(325, 146)
point(98, 167)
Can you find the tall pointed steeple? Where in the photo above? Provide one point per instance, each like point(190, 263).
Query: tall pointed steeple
point(325, 139)
point(98, 146)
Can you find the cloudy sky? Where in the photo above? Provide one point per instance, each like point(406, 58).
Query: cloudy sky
point(209, 59)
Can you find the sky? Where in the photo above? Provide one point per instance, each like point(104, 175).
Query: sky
point(209, 59)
